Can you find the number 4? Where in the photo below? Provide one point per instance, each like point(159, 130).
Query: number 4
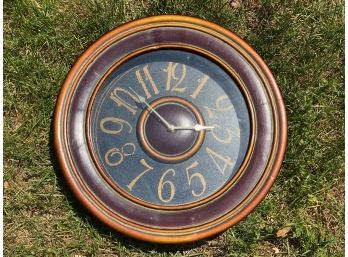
point(217, 158)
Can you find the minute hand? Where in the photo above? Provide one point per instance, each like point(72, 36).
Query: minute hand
point(152, 110)
point(196, 127)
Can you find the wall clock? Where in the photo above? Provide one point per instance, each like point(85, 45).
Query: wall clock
point(170, 129)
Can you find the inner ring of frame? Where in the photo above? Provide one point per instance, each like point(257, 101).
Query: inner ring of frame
point(156, 154)
point(241, 87)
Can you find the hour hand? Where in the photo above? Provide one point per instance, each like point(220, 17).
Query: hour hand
point(152, 110)
point(197, 127)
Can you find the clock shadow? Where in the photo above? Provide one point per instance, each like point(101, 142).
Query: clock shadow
point(104, 230)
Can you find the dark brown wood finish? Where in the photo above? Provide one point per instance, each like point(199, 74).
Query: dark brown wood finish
point(161, 225)
point(198, 139)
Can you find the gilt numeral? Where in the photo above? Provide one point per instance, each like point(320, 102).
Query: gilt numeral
point(147, 77)
point(228, 132)
point(219, 106)
point(201, 83)
point(196, 175)
point(115, 125)
point(125, 99)
point(115, 156)
point(221, 162)
point(136, 179)
point(169, 184)
point(175, 77)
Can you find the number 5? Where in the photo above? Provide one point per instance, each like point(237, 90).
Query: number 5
point(197, 175)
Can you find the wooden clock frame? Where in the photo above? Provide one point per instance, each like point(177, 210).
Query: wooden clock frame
point(230, 204)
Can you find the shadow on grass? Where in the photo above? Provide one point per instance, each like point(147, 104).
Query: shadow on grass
point(104, 230)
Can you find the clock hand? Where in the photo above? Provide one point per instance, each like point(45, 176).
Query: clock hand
point(196, 127)
point(152, 110)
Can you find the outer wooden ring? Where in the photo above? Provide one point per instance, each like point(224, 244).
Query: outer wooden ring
point(160, 234)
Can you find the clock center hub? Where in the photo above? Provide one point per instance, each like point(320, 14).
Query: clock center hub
point(170, 145)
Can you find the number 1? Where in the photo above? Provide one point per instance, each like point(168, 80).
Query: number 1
point(200, 86)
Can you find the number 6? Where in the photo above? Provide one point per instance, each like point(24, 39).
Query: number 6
point(169, 183)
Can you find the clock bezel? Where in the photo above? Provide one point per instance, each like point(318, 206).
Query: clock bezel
point(171, 234)
point(152, 152)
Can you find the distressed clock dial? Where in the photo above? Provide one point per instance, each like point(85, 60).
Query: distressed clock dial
point(144, 157)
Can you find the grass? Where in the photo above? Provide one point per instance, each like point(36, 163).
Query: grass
point(302, 41)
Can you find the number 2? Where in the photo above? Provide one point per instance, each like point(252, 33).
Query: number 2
point(218, 106)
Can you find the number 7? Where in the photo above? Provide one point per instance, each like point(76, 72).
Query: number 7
point(135, 180)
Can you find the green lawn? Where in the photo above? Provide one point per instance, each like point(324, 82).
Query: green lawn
point(302, 41)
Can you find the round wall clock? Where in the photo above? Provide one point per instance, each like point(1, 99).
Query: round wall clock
point(170, 129)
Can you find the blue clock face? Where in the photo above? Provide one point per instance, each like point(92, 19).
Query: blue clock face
point(169, 128)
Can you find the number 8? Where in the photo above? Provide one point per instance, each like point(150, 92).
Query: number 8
point(121, 154)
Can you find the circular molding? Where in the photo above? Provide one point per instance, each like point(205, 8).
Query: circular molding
point(151, 150)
